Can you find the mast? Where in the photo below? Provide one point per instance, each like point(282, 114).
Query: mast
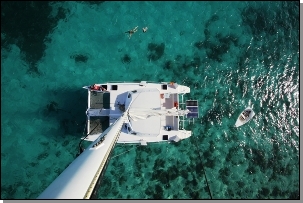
point(79, 179)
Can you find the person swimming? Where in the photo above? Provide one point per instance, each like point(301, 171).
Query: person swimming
point(145, 29)
point(131, 32)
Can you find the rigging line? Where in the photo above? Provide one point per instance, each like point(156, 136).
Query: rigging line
point(124, 152)
point(136, 146)
point(80, 148)
point(203, 171)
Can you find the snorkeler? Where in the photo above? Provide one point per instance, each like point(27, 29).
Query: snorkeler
point(145, 29)
point(130, 32)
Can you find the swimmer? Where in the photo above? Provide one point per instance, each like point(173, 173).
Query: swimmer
point(130, 32)
point(145, 29)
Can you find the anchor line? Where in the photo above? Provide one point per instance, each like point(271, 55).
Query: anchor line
point(204, 172)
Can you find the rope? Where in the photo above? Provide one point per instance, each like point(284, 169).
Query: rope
point(203, 171)
point(80, 147)
point(138, 146)
point(124, 152)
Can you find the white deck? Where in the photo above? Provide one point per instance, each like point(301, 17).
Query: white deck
point(145, 97)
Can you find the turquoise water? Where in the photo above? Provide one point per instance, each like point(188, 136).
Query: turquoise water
point(231, 54)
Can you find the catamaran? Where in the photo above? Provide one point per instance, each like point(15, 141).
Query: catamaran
point(136, 113)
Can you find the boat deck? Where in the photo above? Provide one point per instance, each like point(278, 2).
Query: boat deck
point(97, 124)
point(99, 100)
point(107, 106)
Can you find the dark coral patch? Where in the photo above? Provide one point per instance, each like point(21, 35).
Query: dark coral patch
point(126, 59)
point(52, 107)
point(79, 58)
point(155, 51)
point(158, 192)
point(42, 156)
point(159, 163)
point(168, 65)
point(28, 24)
point(199, 45)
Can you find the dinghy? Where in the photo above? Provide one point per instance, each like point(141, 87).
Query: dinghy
point(245, 116)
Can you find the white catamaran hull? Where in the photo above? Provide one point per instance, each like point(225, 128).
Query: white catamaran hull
point(136, 113)
point(153, 107)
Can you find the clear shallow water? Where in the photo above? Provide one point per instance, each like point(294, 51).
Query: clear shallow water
point(231, 54)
